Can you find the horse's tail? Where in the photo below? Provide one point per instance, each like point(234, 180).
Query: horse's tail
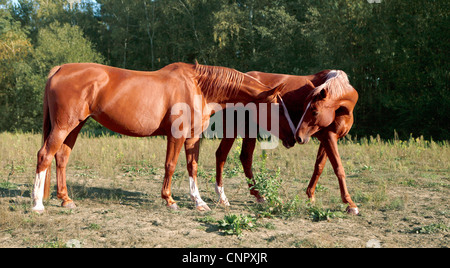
point(47, 127)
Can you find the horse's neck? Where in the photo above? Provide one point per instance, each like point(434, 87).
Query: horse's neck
point(252, 90)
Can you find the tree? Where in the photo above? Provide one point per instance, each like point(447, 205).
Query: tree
point(246, 32)
point(395, 52)
point(56, 44)
point(15, 49)
point(62, 43)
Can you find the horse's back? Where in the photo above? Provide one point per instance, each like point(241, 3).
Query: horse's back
point(291, 82)
point(130, 102)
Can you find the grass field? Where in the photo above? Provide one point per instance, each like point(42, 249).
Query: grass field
point(401, 188)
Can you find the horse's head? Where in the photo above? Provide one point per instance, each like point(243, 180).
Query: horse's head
point(279, 125)
point(285, 133)
point(323, 103)
point(319, 113)
point(285, 125)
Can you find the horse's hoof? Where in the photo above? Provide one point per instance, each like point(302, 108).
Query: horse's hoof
point(260, 200)
point(352, 211)
point(224, 203)
point(68, 204)
point(174, 206)
point(38, 211)
point(203, 208)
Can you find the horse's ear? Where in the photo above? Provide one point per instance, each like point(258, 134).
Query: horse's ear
point(277, 90)
point(270, 95)
point(323, 93)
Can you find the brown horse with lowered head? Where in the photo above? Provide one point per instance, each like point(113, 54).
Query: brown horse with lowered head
point(319, 105)
point(137, 104)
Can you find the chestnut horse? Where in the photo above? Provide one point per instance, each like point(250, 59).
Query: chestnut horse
point(319, 105)
point(136, 104)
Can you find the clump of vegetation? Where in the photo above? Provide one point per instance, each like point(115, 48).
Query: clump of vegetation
point(431, 229)
point(320, 214)
point(231, 224)
point(268, 184)
point(8, 185)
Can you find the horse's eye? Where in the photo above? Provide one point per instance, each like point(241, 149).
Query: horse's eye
point(315, 113)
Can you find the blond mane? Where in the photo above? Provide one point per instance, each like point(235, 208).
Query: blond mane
point(218, 83)
point(337, 84)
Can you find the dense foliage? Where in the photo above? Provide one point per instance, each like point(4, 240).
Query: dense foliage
point(395, 52)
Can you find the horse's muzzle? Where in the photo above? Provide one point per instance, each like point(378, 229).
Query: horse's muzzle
point(289, 144)
point(301, 140)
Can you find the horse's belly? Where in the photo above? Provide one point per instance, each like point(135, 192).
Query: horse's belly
point(133, 117)
point(129, 127)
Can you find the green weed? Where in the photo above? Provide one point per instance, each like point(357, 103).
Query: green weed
point(320, 214)
point(431, 229)
point(94, 226)
point(269, 185)
point(8, 185)
point(55, 243)
point(233, 224)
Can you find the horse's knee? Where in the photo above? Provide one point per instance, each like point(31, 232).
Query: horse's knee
point(170, 168)
point(220, 156)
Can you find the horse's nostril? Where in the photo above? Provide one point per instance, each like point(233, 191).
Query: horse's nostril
point(299, 139)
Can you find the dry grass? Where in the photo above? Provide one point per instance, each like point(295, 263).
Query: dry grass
point(401, 188)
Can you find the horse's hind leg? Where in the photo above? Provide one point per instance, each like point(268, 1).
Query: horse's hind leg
point(45, 156)
point(62, 157)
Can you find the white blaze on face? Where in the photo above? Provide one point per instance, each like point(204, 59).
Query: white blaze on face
point(38, 192)
point(222, 197)
point(195, 195)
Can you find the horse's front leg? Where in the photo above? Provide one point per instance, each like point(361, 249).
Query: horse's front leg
point(331, 148)
point(174, 146)
point(192, 146)
point(221, 158)
point(246, 157)
point(318, 168)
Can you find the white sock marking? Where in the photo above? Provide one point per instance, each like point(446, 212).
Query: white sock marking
point(222, 197)
point(195, 195)
point(38, 192)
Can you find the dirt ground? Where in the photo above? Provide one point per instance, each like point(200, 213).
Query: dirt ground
point(139, 218)
point(127, 211)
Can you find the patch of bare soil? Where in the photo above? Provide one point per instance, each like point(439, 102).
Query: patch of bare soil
point(132, 214)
